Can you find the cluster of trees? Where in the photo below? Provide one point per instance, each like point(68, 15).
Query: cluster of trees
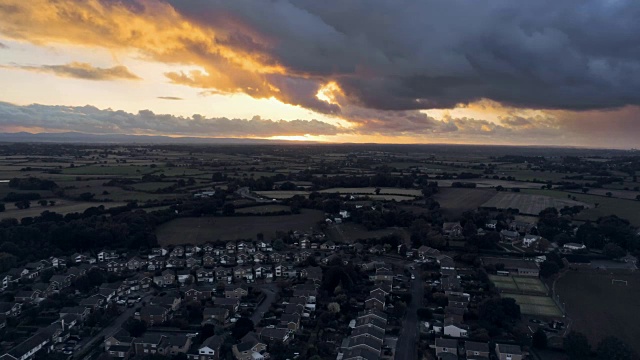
point(609, 230)
point(577, 347)
point(32, 183)
point(498, 314)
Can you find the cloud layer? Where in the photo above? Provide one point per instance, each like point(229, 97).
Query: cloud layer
point(80, 70)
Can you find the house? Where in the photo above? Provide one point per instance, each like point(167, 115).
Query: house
point(116, 266)
point(205, 276)
point(312, 273)
point(360, 354)
point(93, 302)
point(224, 274)
point(446, 346)
point(197, 294)
point(230, 304)
point(329, 245)
point(171, 300)
point(427, 252)
point(452, 229)
point(569, 247)
point(215, 313)
point(244, 273)
point(476, 350)
point(381, 289)
point(290, 321)
point(168, 277)
point(375, 301)
point(514, 266)
point(275, 334)
point(8, 280)
point(28, 348)
point(491, 224)
point(120, 338)
point(175, 262)
point(178, 344)
point(522, 227)
point(454, 329)
point(227, 259)
point(135, 263)
point(260, 257)
point(235, 292)
point(249, 347)
point(383, 275)
point(368, 331)
point(120, 351)
point(79, 311)
point(154, 315)
point(509, 236)
point(275, 257)
point(209, 349)
point(305, 243)
point(155, 264)
point(264, 245)
point(294, 309)
point(158, 252)
point(207, 248)
point(261, 271)
point(208, 261)
point(508, 352)
point(151, 343)
point(243, 258)
point(529, 240)
point(58, 262)
point(231, 248)
point(106, 255)
point(177, 251)
point(27, 296)
point(366, 343)
point(10, 308)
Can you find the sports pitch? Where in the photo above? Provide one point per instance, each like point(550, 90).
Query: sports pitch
point(536, 305)
point(518, 284)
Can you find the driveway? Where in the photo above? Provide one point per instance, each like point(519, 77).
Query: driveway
point(407, 346)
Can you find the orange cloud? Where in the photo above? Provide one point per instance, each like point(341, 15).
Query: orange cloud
point(84, 71)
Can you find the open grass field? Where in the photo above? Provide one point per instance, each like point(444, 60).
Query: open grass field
point(350, 232)
point(122, 170)
point(492, 183)
point(61, 207)
point(455, 201)
point(282, 194)
point(263, 209)
point(518, 284)
point(599, 308)
point(203, 229)
point(528, 203)
point(372, 191)
point(535, 305)
point(626, 209)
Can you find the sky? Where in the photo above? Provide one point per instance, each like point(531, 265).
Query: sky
point(557, 73)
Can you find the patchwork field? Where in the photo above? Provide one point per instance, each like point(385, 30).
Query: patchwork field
point(535, 305)
point(455, 201)
point(527, 203)
point(61, 207)
point(350, 232)
point(599, 308)
point(203, 229)
point(518, 284)
point(263, 209)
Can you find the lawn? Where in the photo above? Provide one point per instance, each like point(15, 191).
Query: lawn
point(203, 229)
point(350, 232)
point(528, 203)
point(372, 191)
point(518, 284)
point(599, 308)
point(263, 209)
point(455, 201)
point(626, 209)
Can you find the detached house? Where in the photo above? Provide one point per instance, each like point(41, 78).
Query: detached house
point(208, 350)
point(508, 352)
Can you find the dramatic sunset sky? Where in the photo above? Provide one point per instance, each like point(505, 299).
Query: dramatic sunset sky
point(543, 72)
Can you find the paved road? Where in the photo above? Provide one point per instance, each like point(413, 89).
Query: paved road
point(115, 326)
point(270, 290)
point(407, 346)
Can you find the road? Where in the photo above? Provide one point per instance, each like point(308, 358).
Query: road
point(407, 346)
point(270, 291)
point(111, 329)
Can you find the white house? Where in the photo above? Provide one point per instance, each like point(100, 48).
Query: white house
point(574, 246)
point(529, 240)
point(454, 330)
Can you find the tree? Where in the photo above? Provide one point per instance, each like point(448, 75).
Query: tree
point(43, 202)
point(243, 326)
point(52, 202)
point(2, 207)
point(228, 209)
point(548, 268)
point(609, 194)
point(638, 197)
point(539, 340)
point(135, 327)
point(613, 251)
point(576, 346)
point(333, 307)
point(612, 348)
point(425, 314)
point(278, 245)
point(86, 196)
point(23, 204)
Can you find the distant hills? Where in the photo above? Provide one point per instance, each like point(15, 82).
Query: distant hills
point(77, 137)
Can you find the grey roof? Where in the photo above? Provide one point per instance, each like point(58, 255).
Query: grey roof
point(360, 354)
point(274, 333)
point(447, 356)
point(150, 338)
point(24, 347)
point(448, 343)
point(509, 349)
point(371, 342)
point(368, 330)
point(476, 346)
point(212, 342)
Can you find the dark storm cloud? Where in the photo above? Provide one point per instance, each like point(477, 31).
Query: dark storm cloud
point(410, 54)
point(90, 119)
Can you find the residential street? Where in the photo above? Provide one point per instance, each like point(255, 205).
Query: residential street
point(270, 290)
point(111, 329)
point(406, 349)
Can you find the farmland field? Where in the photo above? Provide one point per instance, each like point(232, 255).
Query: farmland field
point(535, 305)
point(203, 229)
point(61, 207)
point(455, 201)
point(349, 232)
point(598, 308)
point(263, 209)
point(528, 204)
point(282, 194)
point(372, 191)
point(626, 209)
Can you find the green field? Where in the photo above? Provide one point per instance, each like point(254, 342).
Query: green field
point(204, 229)
point(122, 170)
point(535, 305)
point(455, 201)
point(61, 207)
point(263, 209)
point(599, 308)
point(518, 284)
point(626, 209)
point(529, 203)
